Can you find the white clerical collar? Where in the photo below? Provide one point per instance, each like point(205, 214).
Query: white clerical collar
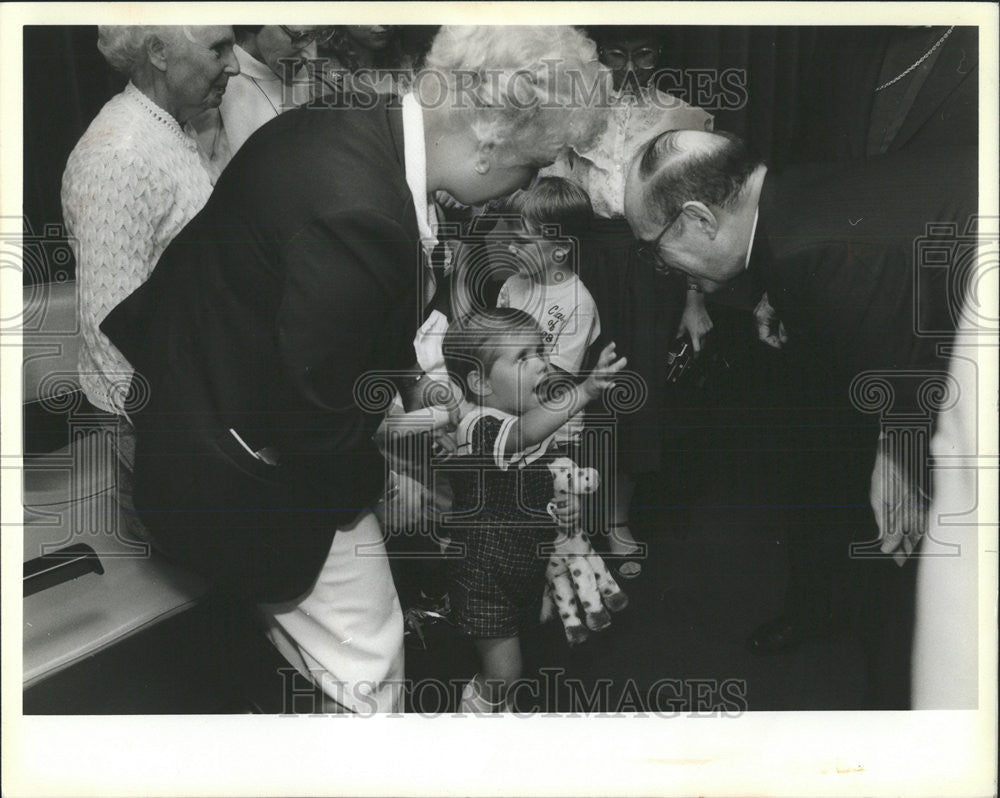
point(253, 68)
point(415, 153)
point(753, 233)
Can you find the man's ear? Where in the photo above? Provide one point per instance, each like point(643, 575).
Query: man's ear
point(156, 50)
point(485, 152)
point(699, 215)
point(479, 384)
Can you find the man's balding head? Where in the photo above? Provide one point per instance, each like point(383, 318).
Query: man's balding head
point(692, 181)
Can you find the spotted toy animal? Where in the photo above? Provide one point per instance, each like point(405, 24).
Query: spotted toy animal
point(577, 576)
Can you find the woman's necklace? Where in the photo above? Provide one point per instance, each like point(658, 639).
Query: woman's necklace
point(918, 62)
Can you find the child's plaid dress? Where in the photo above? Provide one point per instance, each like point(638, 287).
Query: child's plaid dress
point(499, 516)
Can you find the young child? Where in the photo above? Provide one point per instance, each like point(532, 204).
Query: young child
point(548, 287)
point(499, 359)
point(555, 213)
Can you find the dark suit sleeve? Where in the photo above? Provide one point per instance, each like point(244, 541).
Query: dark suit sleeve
point(853, 304)
point(350, 280)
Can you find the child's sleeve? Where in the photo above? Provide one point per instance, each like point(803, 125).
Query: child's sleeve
point(488, 436)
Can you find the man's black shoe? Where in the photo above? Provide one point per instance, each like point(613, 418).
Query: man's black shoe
point(783, 634)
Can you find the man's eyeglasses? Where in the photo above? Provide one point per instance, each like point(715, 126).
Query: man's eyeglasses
point(649, 251)
point(643, 57)
point(303, 38)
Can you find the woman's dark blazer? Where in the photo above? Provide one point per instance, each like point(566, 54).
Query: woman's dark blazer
point(298, 278)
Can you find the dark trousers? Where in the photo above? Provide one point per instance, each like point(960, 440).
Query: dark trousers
point(837, 576)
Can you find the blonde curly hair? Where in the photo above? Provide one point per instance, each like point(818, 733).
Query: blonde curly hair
point(531, 91)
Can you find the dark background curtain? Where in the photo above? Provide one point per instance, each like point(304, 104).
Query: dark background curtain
point(769, 60)
point(67, 81)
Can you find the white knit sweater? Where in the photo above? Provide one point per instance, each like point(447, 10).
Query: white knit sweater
point(131, 183)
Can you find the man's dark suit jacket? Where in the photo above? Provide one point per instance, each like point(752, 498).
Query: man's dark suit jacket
point(839, 94)
point(297, 277)
point(837, 249)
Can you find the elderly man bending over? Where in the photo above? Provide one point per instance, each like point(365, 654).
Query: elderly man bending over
point(833, 246)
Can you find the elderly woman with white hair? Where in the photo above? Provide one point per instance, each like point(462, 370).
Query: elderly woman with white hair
point(301, 280)
point(134, 179)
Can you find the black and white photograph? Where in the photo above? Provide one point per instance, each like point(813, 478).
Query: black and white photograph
point(557, 399)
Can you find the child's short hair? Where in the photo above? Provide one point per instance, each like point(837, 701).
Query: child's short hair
point(473, 342)
point(552, 201)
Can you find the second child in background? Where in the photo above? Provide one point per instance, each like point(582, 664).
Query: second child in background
point(640, 310)
point(555, 214)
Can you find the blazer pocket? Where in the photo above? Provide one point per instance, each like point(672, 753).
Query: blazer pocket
point(231, 454)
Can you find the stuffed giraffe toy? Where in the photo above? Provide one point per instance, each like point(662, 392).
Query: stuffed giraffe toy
point(577, 576)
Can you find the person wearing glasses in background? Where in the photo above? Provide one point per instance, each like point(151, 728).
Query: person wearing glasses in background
point(639, 309)
point(355, 48)
point(273, 61)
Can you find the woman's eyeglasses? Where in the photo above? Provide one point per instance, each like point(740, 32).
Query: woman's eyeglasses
point(642, 58)
point(303, 38)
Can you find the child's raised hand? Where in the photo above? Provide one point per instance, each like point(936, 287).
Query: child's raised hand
point(608, 364)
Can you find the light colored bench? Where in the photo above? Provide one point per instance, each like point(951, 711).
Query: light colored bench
point(69, 499)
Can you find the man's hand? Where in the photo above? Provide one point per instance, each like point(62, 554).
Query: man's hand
point(770, 329)
point(695, 320)
point(899, 506)
point(608, 364)
point(405, 504)
point(445, 444)
point(567, 510)
point(445, 200)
